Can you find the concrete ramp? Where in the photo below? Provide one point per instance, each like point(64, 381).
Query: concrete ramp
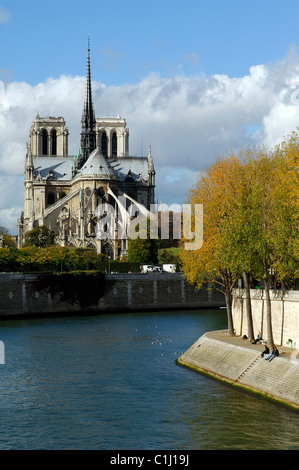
point(243, 366)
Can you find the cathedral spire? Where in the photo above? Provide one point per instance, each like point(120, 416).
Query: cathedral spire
point(88, 133)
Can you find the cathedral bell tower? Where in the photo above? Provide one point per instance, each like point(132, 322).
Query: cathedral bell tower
point(88, 132)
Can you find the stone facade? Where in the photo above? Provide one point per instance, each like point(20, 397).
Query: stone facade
point(71, 194)
point(285, 315)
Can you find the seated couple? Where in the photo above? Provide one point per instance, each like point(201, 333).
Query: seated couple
point(270, 355)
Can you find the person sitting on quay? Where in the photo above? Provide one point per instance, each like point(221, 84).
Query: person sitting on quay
point(258, 339)
point(274, 353)
point(266, 351)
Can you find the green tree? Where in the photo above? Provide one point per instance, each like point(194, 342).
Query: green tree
point(143, 246)
point(143, 251)
point(40, 237)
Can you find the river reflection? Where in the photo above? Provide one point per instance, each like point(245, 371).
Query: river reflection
point(111, 382)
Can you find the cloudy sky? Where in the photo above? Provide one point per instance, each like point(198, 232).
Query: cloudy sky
point(193, 79)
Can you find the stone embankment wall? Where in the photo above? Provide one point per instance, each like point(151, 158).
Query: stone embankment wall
point(20, 295)
point(227, 359)
point(285, 315)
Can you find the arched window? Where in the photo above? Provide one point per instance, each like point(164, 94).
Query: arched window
point(108, 250)
point(87, 195)
point(51, 199)
point(104, 146)
point(44, 142)
point(114, 144)
point(101, 193)
point(53, 142)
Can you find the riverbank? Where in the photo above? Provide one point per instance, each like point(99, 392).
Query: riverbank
point(239, 363)
point(48, 294)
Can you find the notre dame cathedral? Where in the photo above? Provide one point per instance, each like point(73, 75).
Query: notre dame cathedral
point(64, 192)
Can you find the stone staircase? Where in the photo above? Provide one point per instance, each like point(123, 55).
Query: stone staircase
point(245, 366)
point(248, 368)
point(227, 360)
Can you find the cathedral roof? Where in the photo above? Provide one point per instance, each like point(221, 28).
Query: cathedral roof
point(97, 164)
point(134, 167)
point(60, 166)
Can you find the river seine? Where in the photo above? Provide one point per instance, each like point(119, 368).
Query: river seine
point(111, 382)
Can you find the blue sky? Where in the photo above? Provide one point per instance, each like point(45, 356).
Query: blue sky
point(193, 79)
point(131, 38)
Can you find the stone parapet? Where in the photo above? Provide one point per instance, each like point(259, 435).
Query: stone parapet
point(20, 295)
point(285, 314)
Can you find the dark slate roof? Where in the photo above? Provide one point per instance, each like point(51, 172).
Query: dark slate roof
point(61, 166)
point(97, 164)
point(136, 167)
point(124, 168)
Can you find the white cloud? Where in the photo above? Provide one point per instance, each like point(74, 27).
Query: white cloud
point(4, 15)
point(188, 121)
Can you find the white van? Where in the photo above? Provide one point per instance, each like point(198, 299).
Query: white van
point(169, 268)
point(146, 268)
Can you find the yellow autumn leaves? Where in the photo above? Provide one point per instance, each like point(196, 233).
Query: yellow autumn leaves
point(250, 218)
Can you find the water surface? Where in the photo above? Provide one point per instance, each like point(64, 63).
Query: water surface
point(111, 382)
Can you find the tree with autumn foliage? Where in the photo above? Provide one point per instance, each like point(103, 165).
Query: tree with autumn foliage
point(250, 226)
point(272, 212)
point(8, 241)
point(245, 230)
point(284, 229)
point(210, 264)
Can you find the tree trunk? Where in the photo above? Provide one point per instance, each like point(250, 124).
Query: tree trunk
point(226, 277)
point(228, 299)
point(250, 332)
point(268, 305)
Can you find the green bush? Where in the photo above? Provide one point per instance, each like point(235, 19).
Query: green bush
point(50, 259)
point(144, 251)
